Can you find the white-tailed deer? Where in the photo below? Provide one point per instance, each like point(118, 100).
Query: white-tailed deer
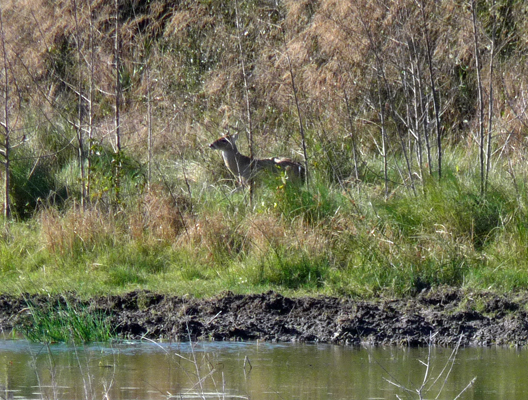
point(242, 167)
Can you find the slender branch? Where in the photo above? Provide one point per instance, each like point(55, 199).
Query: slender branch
point(436, 104)
point(5, 124)
point(149, 123)
point(249, 125)
point(117, 56)
point(117, 121)
point(490, 100)
point(352, 135)
point(419, 114)
point(480, 98)
point(91, 100)
point(80, 135)
point(298, 107)
point(379, 68)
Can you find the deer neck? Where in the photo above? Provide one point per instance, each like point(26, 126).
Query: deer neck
point(236, 162)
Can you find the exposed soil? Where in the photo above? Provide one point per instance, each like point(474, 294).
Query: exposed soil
point(439, 317)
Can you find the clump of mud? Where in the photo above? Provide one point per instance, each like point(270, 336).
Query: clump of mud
point(440, 318)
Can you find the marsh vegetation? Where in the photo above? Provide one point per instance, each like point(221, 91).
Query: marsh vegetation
point(409, 117)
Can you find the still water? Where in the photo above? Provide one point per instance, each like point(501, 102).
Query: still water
point(257, 371)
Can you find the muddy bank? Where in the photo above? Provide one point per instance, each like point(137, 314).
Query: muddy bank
point(483, 319)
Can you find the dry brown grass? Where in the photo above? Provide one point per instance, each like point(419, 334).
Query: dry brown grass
point(265, 232)
point(222, 239)
point(215, 235)
point(329, 43)
point(158, 216)
point(74, 230)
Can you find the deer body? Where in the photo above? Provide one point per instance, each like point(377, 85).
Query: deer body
point(242, 167)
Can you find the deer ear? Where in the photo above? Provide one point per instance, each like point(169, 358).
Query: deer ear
point(234, 136)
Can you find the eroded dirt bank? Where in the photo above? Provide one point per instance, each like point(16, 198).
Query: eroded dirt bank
point(483, 319)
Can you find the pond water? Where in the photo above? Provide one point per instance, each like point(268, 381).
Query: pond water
point(257, 371)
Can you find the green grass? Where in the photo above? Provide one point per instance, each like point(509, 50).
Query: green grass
point(317, 239)
point(62, 321)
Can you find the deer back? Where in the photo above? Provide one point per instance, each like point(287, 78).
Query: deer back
point(242, 166)
point(292, 168)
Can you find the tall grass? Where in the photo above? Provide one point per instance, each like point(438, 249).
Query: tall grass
point(322, 238)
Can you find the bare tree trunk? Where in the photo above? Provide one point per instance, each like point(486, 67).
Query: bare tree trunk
point(406, 150)
point(80, 102)
point(5, 124)
point(490, 101)
point(249, 125)
point(149, 123)
point(424, 115)
point(352, 136)
point(117, 150)
point(90, 102)
point(380, 77)
point(482, 155)
point(299, 114)
point(434, 92)
point(301, 125)
point(384, 144)
point(417, 103)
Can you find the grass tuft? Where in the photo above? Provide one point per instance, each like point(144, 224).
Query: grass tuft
point(62, 321)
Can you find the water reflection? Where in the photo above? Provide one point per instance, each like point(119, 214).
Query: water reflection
point(257, 371)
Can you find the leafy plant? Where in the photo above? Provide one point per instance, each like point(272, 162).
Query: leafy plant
point(33, 183)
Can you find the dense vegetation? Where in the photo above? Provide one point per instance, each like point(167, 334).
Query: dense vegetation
point(410, 117)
